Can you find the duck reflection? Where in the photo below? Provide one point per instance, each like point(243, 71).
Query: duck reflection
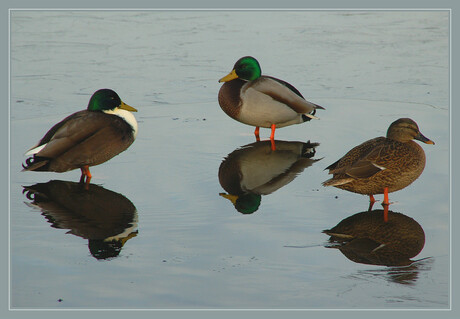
point(255, 169)
point(366, 238)
point(107, 219)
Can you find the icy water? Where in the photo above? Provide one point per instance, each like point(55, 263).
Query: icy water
point(157, 228)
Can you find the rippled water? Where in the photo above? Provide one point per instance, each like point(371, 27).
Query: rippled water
point(158, 228)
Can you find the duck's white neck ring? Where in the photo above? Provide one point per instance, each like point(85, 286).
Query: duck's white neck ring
point(127, 116)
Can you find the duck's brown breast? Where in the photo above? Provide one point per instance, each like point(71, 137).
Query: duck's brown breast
point(229, 97)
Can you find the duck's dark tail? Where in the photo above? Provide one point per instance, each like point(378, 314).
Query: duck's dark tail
point(309, 116)
point(36, 163)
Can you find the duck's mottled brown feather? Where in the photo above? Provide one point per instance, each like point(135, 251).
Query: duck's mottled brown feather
point(378, 163)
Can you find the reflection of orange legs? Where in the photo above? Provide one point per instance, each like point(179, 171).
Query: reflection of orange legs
point(256, 133)
point(85, 173)
point(385, 213)
point(386, 204)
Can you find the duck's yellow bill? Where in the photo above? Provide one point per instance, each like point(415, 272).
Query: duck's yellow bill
point(231, 76)
point(126, 107)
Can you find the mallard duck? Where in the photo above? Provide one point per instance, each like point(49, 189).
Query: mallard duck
point(262, 101)
point(382, 165)
point(86, 138)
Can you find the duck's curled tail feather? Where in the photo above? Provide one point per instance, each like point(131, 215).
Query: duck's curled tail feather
point(35, 163)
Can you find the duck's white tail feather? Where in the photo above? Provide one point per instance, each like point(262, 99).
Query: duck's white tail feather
point(34, 150)
point(337, 182)
point(311, 116)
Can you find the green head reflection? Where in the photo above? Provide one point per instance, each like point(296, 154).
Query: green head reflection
point(245, 203)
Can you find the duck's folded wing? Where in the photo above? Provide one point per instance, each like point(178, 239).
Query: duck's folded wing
point(103, 144)
point(363, 169)
point(288, 95)
point(369, 164)
point(49, 135)
point(358, 158)
point(72, 131)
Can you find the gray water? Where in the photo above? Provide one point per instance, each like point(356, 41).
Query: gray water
point(185, 246)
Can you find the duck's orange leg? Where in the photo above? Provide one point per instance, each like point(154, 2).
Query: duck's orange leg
point(85, 173)
point(82, 177)
point(385, 197)
point(256, 133)
point(272, 136)
point(386, 204)
point(371, 202)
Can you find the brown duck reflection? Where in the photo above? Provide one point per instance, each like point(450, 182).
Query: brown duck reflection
point(255, 169)
point(107, 219)
point(366, 238)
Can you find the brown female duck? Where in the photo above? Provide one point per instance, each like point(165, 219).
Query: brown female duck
point(382, 165)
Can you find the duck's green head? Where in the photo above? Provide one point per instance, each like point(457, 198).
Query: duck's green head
point(405, 130)
point(105, 100)
point(247, 68)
